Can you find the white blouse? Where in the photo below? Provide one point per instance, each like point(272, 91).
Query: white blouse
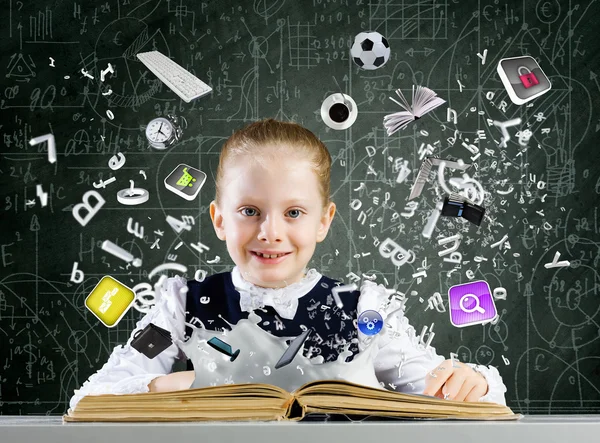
point(401, 364)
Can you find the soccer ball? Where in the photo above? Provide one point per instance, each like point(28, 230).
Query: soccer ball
point(370, 50)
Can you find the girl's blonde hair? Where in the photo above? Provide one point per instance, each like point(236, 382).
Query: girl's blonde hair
point(271, 139)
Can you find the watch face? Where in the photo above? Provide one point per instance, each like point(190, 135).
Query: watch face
point(159, 130)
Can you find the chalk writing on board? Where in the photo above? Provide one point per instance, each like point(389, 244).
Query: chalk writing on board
point(71, 71)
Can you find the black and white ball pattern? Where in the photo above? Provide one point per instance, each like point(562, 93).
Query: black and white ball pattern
point(370, 50)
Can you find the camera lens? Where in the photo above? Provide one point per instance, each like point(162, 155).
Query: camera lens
point(339, 112)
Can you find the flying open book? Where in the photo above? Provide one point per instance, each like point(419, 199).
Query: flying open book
point(263, 402)
point(424, 100)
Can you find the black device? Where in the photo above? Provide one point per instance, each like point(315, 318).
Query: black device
point(151, 340)
point(474, 213)
point(225, 348)
point(452, 208)
point(457, 206)
point(292, 350)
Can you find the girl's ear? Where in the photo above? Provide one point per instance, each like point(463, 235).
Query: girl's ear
point(217, 220)
point(326, 220)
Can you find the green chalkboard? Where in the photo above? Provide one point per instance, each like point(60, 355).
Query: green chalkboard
point(282, 59)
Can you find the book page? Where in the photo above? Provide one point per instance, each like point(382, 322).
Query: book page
point(425, 100)
point(331, 395)
point(397, 120)
point(257, 412)
point(226, 402)
point(396, 414)
point(429, 106)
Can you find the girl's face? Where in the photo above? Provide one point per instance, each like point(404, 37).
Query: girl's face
point(277, 209)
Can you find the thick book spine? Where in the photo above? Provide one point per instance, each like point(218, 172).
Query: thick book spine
point(294, 411)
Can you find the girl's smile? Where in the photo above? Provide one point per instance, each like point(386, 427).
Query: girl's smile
point(270, 259)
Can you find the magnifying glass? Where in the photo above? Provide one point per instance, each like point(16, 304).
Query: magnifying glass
point(477, 308)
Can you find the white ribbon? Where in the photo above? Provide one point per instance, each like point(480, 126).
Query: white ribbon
point(285, 306)
point(283, 300)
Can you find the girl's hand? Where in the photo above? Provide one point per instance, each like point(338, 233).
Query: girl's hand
point(175, 381)
point(459, 382)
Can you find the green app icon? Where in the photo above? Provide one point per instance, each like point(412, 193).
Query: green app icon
point(185, 181)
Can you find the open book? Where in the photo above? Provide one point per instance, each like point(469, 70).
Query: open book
point(424, 100)
point(243, 402)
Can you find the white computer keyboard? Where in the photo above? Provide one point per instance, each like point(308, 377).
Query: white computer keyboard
point(183, 83)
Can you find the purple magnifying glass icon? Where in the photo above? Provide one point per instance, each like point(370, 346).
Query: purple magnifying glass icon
point(471, 304)
point(465, 301)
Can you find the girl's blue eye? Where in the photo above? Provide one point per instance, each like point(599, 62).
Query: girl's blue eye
point(248, 209)
point(296, 211)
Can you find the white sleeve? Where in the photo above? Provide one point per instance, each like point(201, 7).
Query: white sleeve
point(403, 363)
point(127, 371)
point(496, 387)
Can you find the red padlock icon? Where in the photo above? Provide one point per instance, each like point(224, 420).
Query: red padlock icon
point(528, 79)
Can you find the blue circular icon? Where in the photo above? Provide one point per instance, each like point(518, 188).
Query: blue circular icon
point(370, 322)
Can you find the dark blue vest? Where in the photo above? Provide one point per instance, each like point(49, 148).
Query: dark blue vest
point(331, 327)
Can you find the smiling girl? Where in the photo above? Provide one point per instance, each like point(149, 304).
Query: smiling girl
point(272, 207)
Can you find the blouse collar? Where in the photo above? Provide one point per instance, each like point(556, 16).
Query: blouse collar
point(284, 300)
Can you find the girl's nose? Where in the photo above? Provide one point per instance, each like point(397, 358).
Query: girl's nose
point(271, 229)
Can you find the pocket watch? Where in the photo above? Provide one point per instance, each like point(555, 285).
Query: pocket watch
point(163, 133)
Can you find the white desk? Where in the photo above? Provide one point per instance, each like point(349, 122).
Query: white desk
point(533, 428)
